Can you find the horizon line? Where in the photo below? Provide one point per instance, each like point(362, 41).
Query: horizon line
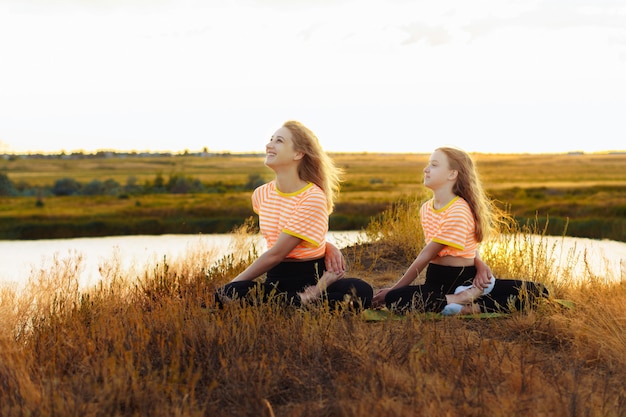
point(187, 152)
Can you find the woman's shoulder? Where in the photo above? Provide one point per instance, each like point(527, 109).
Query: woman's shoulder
point(264, 187)
point(428, 202)
point(313, 188)
point(313, 193)
point(263, 192)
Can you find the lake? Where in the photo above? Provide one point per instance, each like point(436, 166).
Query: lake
point(20, 260)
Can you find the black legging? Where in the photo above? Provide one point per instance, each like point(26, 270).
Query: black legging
point(510, 295)
point(287, 279)
point(431, 295)
point(507, 294)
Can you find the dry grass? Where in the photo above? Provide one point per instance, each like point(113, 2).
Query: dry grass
point(150, 344)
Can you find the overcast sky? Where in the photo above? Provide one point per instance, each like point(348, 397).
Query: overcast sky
point(366, 76)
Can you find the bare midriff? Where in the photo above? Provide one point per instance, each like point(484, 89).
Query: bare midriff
point(301, 260)
point(453, 261)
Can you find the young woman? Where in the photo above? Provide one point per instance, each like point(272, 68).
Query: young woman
point(455, 220)
point(293, 209)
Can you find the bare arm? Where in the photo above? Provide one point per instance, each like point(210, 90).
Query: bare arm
point(335, 261)
point(427, 254)
point(483, 273)
point(270, 258)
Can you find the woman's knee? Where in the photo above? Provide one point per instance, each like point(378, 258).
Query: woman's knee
point(353, 287)
point(361, 289)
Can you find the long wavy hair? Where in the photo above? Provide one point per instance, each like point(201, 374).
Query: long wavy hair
point(316, 166)
point(469, 187)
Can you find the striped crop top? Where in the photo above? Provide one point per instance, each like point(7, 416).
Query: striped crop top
point(453, 225)
point(303, 214)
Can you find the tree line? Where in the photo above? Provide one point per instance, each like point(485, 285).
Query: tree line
point(173, 184)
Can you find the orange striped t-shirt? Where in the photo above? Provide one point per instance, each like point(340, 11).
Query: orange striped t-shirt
point(303, 214)
point(453, 225)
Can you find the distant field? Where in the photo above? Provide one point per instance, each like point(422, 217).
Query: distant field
point(228, 169)
point(497, 170)
point(585, 191)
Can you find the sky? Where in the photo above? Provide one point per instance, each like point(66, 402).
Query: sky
point(494, 76)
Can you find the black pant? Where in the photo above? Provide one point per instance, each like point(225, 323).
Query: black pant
point(510, 295)
point(431, 295)
point(285, 280)
point(507, 294)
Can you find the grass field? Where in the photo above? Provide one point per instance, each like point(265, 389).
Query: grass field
point(581, 194)
point(152, 345)
point(497, 170)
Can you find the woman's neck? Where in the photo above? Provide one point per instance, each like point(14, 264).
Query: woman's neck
point(289, 183)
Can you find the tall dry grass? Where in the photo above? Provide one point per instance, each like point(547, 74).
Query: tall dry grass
point(150, 343)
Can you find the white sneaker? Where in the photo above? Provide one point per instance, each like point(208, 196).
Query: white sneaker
point(451, 309)
point(486, 291)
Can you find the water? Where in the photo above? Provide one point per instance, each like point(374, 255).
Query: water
point(20, 260)
point(605, 259)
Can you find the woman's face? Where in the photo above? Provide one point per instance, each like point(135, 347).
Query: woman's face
point(438, 171)
point(279, 150)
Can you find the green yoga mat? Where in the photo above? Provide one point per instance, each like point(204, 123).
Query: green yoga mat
point(384, 314)
point(381, 315)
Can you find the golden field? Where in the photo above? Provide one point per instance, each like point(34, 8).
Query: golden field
point(582, 195)
point(152, 344)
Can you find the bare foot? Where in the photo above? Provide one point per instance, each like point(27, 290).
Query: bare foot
point(328, 278)
point(465, 297)
point(470, 309)
point(315, 291)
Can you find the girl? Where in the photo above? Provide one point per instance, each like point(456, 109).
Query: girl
point(293, 209)
point(455, 221)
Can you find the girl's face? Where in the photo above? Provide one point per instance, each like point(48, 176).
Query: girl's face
point(438, 173)
point(279, 150)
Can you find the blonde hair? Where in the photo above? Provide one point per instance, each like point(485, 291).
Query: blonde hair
point(469, 187)
point(316, 166)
